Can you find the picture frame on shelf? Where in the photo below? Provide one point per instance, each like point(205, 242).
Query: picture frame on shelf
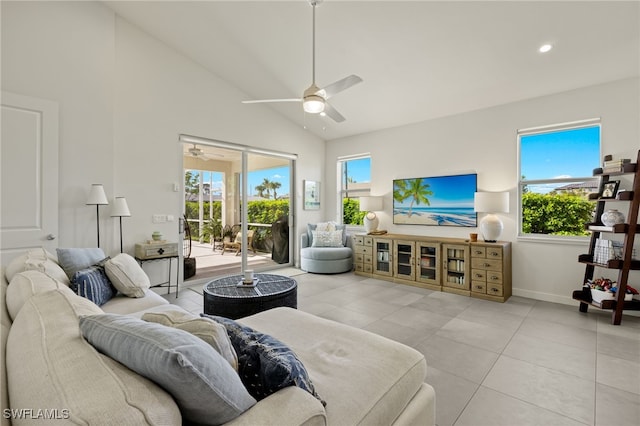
point(610, 189)
point(311, 199)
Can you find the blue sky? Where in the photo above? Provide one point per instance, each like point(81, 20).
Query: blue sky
point(279, 174)
point(448, 191)
point(569, 153)
point(359, 170)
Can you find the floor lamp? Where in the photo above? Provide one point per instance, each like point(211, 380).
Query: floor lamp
point(98, 198)
point(120, 209)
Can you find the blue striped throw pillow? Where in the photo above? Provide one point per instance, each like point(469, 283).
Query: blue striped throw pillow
point(93, 284)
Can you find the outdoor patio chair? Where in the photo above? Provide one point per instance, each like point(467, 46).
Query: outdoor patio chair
point(236, 244)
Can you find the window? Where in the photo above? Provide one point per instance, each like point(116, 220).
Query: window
point(355, 182)
point(556, 178)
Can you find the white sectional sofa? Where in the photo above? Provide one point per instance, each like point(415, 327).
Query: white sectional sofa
point(49, 369)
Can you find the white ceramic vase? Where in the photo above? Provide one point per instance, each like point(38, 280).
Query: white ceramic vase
point(612, 217)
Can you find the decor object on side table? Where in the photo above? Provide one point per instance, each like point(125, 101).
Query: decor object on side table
point(370, 205)
point(491, 202)
point(120, 209)
point(98, 198)
point(612, 217)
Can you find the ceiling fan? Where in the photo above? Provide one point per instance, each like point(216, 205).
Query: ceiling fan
point(196, 152)
point(314, 99)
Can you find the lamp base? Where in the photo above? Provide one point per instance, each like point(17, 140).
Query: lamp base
point(370, 222)
point(491, 227)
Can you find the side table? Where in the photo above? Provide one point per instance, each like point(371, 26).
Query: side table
point(223, 297)
point(167, 283)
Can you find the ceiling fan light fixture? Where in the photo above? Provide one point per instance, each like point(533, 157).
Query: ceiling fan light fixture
point(313, 104)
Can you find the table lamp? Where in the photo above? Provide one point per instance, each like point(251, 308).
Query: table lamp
point(491, 202)
point(98, 198)
point(370, 205)
point(120, 209)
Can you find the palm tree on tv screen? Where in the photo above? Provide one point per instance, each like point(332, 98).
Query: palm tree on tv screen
point(418, 191)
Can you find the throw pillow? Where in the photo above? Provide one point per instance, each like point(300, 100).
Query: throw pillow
point(327, 239)
point(206, 329)
point(92, 283)
point(203, 384)
point(127, 275)
point(74, 259)
point(324, 227)
point(265, 364)
point(37, 260)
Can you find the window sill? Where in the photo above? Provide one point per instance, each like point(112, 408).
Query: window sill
point(550, 239)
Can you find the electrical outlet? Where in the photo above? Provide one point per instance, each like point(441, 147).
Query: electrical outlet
point(170, 218)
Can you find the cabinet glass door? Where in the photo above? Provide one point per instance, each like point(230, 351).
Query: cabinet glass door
point(455, 266)
point(428, 269)
point(404, 257)
point(382, 257)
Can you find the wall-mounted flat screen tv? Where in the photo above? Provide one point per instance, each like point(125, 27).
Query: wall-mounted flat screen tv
point(438, 201)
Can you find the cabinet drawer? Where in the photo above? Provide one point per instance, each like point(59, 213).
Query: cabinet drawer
point(489, 264)
point(359, 267)
point(359, 257)
point(358, 240)
point(494, 277)
point(494, 253)
point(479, 287)
point(479, 275)
point(494, 289)
point(368, 259)
point(478, 252)
point(364, 250)
point(368, 267)
point(367, 241)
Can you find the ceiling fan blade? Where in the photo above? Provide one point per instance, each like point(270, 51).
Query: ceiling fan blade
point(261, 101)
point(338, 86)
point(333, 113)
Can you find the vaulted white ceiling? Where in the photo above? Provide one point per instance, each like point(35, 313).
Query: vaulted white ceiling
point(418, 59)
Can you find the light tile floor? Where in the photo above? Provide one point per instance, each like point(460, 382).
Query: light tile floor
point(524, 362)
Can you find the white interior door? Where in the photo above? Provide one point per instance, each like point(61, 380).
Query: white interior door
point(29, 175)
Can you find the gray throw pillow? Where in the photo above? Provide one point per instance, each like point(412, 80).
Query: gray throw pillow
point(265, 364)
point(74, 259)
point(203, 384)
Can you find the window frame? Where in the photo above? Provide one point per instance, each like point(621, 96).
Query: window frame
point(342, 192)
point(548, 238)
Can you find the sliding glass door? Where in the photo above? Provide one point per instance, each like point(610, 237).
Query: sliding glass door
point(238, 205)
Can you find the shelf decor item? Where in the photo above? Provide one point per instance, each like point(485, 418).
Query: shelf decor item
point(370, 205)
point(612, 217)
point(120, 209)
point(491, 202)
point(610, 189)
point(97, 198)
point(438, 201)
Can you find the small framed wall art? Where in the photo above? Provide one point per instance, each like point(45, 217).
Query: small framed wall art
point(311, 195)
point(610, 189)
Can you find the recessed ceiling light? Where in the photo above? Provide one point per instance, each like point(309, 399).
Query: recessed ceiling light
point(545, 48)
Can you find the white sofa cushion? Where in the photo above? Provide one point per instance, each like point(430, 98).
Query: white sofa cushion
point(206, 329)
point(26, 284)
point(127, 275)
point(203, 384)
point(381, 376)
point(126, 305)
point(50, 365)
point(37, 260)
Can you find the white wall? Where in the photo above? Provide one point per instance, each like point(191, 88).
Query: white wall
point(124, 98)
point(485, 142)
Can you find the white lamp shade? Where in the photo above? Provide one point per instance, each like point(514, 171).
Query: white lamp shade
point(491, 202)
point(120, 208)
point(370, 204)
point(97, 195)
